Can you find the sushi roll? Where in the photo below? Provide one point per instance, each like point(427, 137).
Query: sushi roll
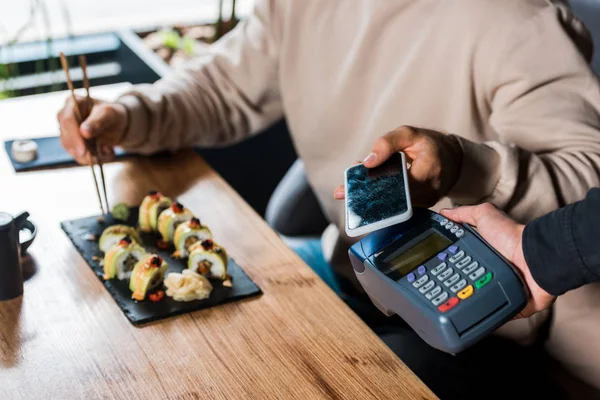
point(208, 259)
point(172, 217)
point(114, 233)
point(153, 204)
point(187, 234)
point(120, 259)
point(148, 274)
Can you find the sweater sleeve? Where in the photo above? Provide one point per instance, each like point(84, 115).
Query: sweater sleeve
point(224, 95)
point(544, 101)
point(561, 247)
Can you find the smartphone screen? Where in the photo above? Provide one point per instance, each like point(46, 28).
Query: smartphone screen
point(376, 194)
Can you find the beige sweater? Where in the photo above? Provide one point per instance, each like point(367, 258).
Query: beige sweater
point(504, 75)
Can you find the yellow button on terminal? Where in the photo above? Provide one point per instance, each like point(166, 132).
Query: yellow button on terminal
point(466, 292)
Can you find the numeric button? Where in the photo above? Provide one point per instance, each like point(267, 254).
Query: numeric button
point(452, 280)
point(436, 291)
point(438, 269)
point(459, 286)
point(463, 262)
point(445, 274)
point(457, 256)
point(419, 282)
point(440, 299)
point(474, 265)
point(427, 287)
point(477, 274)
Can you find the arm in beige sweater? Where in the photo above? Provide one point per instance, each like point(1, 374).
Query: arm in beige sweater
point(222, 97)
point(545, 103)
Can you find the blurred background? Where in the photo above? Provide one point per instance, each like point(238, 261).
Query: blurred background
point(57, 18)
point(132, 42)
point(138, 41)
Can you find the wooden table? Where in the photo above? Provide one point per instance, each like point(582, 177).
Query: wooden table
point(65, 338)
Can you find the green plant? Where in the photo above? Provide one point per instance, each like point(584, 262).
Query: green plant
point(173, 40)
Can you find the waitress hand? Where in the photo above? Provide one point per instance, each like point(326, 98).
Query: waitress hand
point(107, 122)
point(434, 162)
point(506, 236)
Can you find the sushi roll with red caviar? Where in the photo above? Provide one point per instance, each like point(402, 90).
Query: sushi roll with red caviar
point(171, 218)
point(114, 233)
point(187, 234)
point(208, 259)
point(152, 206)
point(120, 259)
point(147, 275)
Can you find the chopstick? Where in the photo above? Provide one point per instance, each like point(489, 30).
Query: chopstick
point(86, 85)
point(79, 116)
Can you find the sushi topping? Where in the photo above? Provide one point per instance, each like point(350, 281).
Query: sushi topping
point(158, 296)
point(155, 261)
point(194, 223)
point(126, 241)
point(177, 207)
point(207, 244)
point(154, 194)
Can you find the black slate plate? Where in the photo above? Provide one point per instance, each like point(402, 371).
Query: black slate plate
point(147, 311)
point(50, 154)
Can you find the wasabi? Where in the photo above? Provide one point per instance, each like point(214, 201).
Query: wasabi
point(121, 212)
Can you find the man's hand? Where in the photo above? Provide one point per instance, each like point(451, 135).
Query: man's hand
point(107, 122)
point(506, 236)
point(435, 160)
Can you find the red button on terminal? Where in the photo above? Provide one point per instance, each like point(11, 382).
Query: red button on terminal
point(448, 305)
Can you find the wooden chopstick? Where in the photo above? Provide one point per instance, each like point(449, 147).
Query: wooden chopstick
point(86, 85)
point(79, 116)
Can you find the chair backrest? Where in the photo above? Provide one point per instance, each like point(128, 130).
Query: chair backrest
point(588, 11)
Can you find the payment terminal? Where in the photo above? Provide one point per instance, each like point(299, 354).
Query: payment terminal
point(440, 277)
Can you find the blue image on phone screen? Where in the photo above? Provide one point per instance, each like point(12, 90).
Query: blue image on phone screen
point(375, 194)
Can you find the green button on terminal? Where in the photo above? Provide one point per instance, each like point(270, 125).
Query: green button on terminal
point(484, 280)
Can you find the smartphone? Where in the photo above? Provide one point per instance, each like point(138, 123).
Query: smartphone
point(377, 197)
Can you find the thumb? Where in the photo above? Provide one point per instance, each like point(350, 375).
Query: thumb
point(389, 144)
point(464, 214)
point(99, 121)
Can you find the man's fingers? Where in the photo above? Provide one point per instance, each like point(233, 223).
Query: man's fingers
point(339, 193)
point(461, 215)
point(390, 143)
point(70, 138)
point(101, 119)
point(468, 214)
